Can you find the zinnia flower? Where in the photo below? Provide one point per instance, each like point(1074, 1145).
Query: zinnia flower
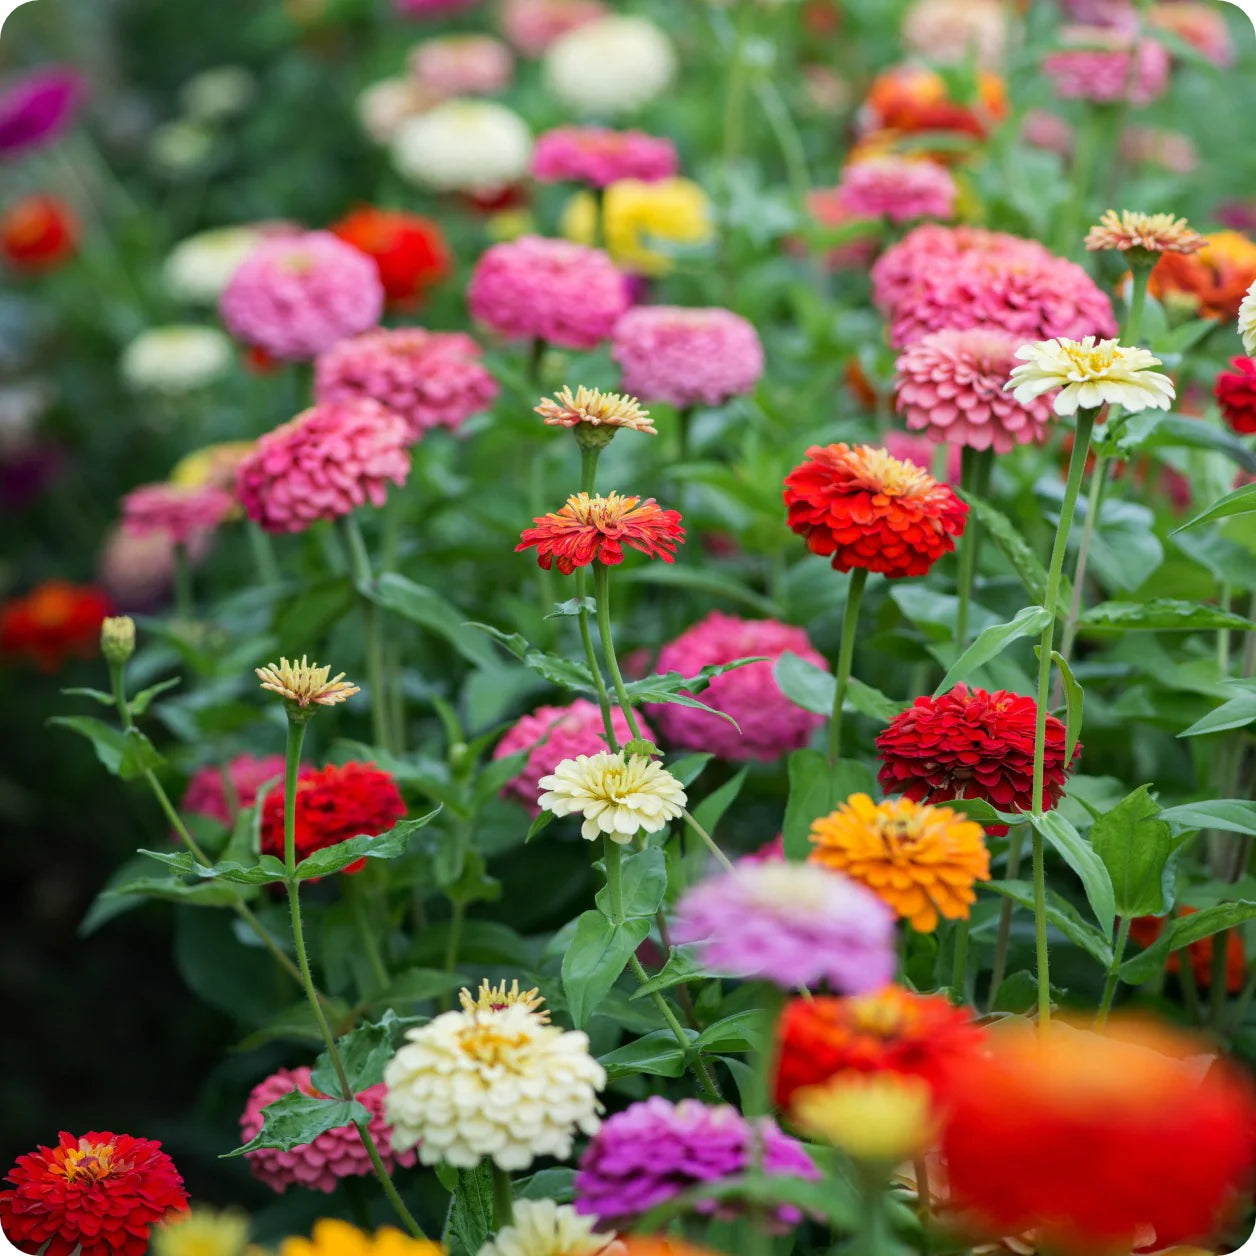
point(175, 360)
point(323, 464)
point(887, 1031)
point(898, 188)
point(38, 233)
point(1144, 930)
point(540, 1227)
point(382, 107)
point(867, 510)
point(206, 793)
point(593, 408)
point(1211, 283)
point(641, 54)
point(595, 530)
point(968, 743)
point(618, 796)
point(199, 268)
point(296, 295)
point(1089, 1139)
point(687, 356)
point(186, 515)
point(922, 861)
point(430, 378)
point(339, 1238)
point(878, 1118)
point(789, 923)
point(599, 156)
point(462, 65)
point(99, 1194)
point(1235, 391)
point(533, 25)
point(489, 998)
point(53, 622)
point(911, 98)
point(213, 466)
point(655, 1150)
point(1090, 375)
point(465, 145)
point(559, 292)
point(1143, 236)
point(949, 32)
point(202, 1232)
point(1107, 65)
point(1201, 26)
point(334, 1154)
point(551, 734)
point(409, 251)
point(500, 1084)
point(950, 385)
point(305, 684)
point(1247, 320)
point(770, 724)
point(36, 109)
point(333, 804)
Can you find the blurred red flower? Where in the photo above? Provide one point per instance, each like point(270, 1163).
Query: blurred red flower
point(1144, 930)
point(409, 250)
point(38, 233)
point(595, 529)
point(1235, 391)
point(54, 621)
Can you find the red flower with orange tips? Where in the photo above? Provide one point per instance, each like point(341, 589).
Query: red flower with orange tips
point(891, 1031)
point(909, 99)
point(410, 251)
point(1091, 1139)
point(334, 804)
point(595, 530)
point(96, 1195)
point(38, 233)
point(1144, 930)
point(54, 621)
point(1212, 282)
point(868, 510)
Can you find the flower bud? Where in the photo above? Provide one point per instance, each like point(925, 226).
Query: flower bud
point(639, 746)
point(117, 639)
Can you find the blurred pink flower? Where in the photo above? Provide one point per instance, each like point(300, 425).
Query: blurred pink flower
point(1107, 65)
point(897, 188)
point(1203, 26)
point(37, 108)
point(206, 793)
point(1048, 131)
point(430, 378)
point(599, 156)
point(183, 514)
point(296, 295)
point(532, 25)
point(828, 208)
point(772, 851)
point(326, 462)
point(138, 571)
point(462, 65)
point(1159, 146)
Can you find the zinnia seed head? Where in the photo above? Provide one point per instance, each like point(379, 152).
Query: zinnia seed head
point(304, 684)
point(493, 998)
point(595, 408)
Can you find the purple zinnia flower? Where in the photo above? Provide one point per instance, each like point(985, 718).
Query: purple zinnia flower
point(36, 109)
point(795, 924)
point(655, 1150)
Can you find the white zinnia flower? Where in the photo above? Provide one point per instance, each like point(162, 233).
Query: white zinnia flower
point(464, 146)
point(200, 267)
point(610, 66)
point(543, 1228)
point(1247, 321)
point(218, 93)
point(499, 1083)
point(385, 105)
point(175, 359)
point(1090, 374)
point(616, 796)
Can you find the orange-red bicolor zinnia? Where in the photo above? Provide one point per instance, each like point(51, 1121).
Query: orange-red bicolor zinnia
point(54, 621)
point(1213, 281)
point(38, 233)
point(596, 529)
point(410, 251)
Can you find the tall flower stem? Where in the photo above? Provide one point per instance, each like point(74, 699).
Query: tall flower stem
point(841, 674)
point(1114, 972)
point(709, 842)
point(1055, 572)
point(363, 580)
point(356, 892)
point(871, 1237)
point(588, 484)
point(1015, 846)
point(602, 593)
point(975, 480)
point(184, 602)
point(263, 556)
point(292, 884)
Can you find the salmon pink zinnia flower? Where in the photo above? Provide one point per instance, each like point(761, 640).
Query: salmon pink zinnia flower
point(596, 529)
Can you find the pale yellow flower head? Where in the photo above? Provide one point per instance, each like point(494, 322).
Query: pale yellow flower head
point(211, 466)
point(618, 796)
point(493, 998)
point(305, 684)
point(882, 1118)
point(1090, 374)
point(596, 408)
point(202, 1232)
point(117, 638)
point(1247, 321)
point(1143, 236)
point(543, 1228)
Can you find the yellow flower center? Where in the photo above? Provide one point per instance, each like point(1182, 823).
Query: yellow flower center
point(601, 512)
point(486, 1044)
point(887, 474)
point(92, 1161)
point(1091, 362)
point(877, 1016)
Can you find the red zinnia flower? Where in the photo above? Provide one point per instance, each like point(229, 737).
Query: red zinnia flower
point(53, 622)
point(38, 233)
point(891, 1031)
point(972, 744)
point(334, 804)
point(1144, 930)
point(100, 1194)
point(870, 510)
point(595, 529)
point(1235, 391)
point(1090, 1139)
point(409, 250)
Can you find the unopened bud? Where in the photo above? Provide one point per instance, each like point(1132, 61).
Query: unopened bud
point(117, 638)
point(639, 746)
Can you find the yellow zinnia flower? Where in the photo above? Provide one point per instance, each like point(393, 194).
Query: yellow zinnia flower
point(339, 1238)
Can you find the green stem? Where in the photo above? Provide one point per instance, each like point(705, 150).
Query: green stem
point(870, 1238)
point(184, 602)
point(1141, 278)
point(1015, 846)
point(1224, 599)
point(363, 580)
point(602, 594)
point(263, 555)
point(457, 914)
point(709, 842)
point(1094, 504)
point(1190, 989)
point(1114, 972)
point(974, 480)
point(845, 656)
point(1089, 141)
point(1239, 1015)
point(503, 1198)
point(959, 971)
point(356, 892)
point(588, 482)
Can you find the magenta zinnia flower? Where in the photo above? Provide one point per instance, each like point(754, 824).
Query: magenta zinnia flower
point(599, 156)
point(781, 922)
point(206, 794)
point(655, 1150)
point(1107, 65)
point(552, 290)
point(430, 378)
point(898, 188)
point(185, 515)
point(36, 109)
point(687, 357)
point(326, 462)
point(950, 385)
point(295, 295)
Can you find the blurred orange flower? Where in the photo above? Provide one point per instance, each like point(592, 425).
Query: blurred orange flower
point(53, 622)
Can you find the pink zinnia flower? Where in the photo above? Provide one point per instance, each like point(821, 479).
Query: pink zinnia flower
point(185, 515)
point(326, 462)
point(36, 109)
point(552, 290)
point(771, 725)
point(532, 25)
point(462, 65)
point(1106, 65)
point(296, 295)
point(599, 156)
point(685, 356)
point(950, 384)
point(1203, 26)
point(551, 734)
point(334, 1154)
point(206, 794)
point(898, 188)
point(1159, 146)
point(430, 378)
point(1048, 131)
point(138, 571)
point(828, 208)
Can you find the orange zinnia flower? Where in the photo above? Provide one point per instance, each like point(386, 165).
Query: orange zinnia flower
point(53, 622)
point(922, 861)
point(1144, 930)
point(866, 509)
point(410, 251)
point(595, 529)
point(909, 99)
point(38, 233)
point(1214, 281)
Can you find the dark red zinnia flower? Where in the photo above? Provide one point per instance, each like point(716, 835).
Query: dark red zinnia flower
point(409, 250)
point(864, 508)
point(972, 744)
point(1235, 391)
point(596, 529)
point(38, 233)
point(99, 1194)
point(53, 622)
point(334, 804)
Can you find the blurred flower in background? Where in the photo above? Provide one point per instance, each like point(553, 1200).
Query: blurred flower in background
point(199, 268)
point(639, 56)
point(475, 146)
point(950, 32)
point(215, 95)
point(409, 250)
point(599, 156)
point(37, 108)
point(38, 233)
point(175, 359)
point(1210, 283)
point(462, 65)
point(52, 623)
point(532, 25)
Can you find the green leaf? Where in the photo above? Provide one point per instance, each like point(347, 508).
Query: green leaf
point(427, 608)
point(302, 622)
point(390, 845)
point(808, 799)
point(993, 641)
point(644, 875)
point(126, 755)
point(470, 1219)
point(171, 889)
point(1025, 562)
point(1017, 994)
point(1074, 704)
point(1161, 614)
point(1063, 915)
point(1181, 932)
point(1231, 815)
point(1155, 430)
point(1135, 846)
point(364, 1052)
point(598, 953)
point(657, 1053)
point(813, 689)
point(298, 1119)
point(1241, 502)
point(268, 869)
point(742, 1031)
point(539, 825)
point(1238, 712)
point(710, 811)
point(1069, 844)
point(417, 985)
point(572, 608)
point(143, 700)
point(688, 769)
point(553, 668)
point(96, 695)
point(679, 969)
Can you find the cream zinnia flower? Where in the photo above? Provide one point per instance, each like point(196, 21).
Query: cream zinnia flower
point(1247, 321)
point(543, 1228)
point(1090, 374)
point(1148, 234)
point(617, 796)
point(175, 359)
point(491, 1083)
point(597, 408)
point(305, 683)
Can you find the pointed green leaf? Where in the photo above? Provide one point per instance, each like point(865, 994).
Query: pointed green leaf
point(390, 845)
point(598, 954)
point(1074, 705)
point(992, 641)
point(298, 1119)
point(1241, 502)
point(1231, 815)
point(1135, 846)
point(1069, 844)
